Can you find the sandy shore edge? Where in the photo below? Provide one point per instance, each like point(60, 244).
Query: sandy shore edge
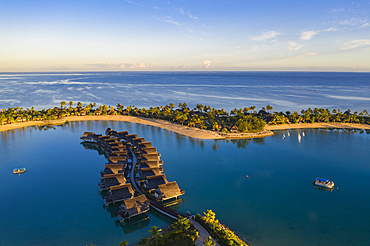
point(183, 130)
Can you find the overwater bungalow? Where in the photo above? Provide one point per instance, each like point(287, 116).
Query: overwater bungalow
point(149, 150)
point(152, 182)
point(145, 172)
point(119, 193)
point(118, 148)
point(133, 207)
point(151, 157)
point(111, 180)
point(168, 191)
point(117, 160)
point(112, 169)
point(88, 136)
point(130, 137)
point(150, 164)
point(136, 141)
point(118, 153)
point(122, 135)
point(144, 145)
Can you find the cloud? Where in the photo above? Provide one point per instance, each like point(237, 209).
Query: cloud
point(357, 43)
point(187, 13)
point(294, 46)
point(138, 4)
point(121, 65)
point(284, 58)
point(337, 10)
point(357, 22)
point(354, 67)
point(266, 35)
point(331, 29)
point(153, 65)
point(308, 35)
point(170, 20)
point(207, 63)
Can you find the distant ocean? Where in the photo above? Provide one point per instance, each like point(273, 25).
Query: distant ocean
point(283, 90)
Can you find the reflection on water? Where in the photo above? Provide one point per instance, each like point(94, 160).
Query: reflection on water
point(133, 224)
point(318, 187)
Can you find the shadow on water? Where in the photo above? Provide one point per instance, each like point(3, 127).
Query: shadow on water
point(92, 146)
point(134, 224)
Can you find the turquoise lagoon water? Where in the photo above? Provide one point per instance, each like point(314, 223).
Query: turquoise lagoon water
point(56, 202)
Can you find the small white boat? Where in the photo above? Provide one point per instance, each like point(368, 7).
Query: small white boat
point(324, 183)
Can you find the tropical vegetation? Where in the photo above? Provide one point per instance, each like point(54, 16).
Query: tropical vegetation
point(182, 232)
point(204, 117)
point(223, 235)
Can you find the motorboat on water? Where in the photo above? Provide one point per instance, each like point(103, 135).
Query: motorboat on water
point(324, 183)
point(19, 170)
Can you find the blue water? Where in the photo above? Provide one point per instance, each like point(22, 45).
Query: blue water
point(56, 202)
point(283, 90)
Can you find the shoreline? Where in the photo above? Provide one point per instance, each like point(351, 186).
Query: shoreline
point(184, 130)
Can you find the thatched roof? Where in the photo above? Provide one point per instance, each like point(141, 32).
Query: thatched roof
point(144, 145)
point(122, 135)
point(113, 168)
point(119, 148)
point(87, 135)
point(113, 179)
point(149, 164)
point(136, 205)
point(145, 172)
point(168, 190)
point(150, 157)
point(149, 150)
point(121, 192)
point(152, 182)
point(117, 160)
point(118, 153)
point(130, 137)
point(136, 141)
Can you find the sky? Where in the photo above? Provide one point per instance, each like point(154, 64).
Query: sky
point(208, 35)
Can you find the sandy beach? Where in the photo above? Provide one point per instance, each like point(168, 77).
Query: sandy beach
point(183, 130)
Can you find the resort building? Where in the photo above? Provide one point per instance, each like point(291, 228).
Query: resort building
point(149, 150)
point(112, 169)
point(143, 145)
point(130, 137)
point(150, 164)
point(119, 193)
point(151, 157)
point(117, 160)
point(88, 136)
point(152, 182)
point(122, 135)
point(168, 191)
point(111, 180)
point(136, 141)
point(145, 172)
point(133, 207)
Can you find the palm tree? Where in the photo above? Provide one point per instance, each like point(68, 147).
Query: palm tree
point(208, 241)
point(62, 104)
point(155, 231)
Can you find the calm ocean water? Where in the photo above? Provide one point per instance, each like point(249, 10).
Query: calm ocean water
point(283, 90)
point(56, 202)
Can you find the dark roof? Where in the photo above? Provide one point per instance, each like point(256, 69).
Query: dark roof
point(136, 205)
point(117, 160)
point(87, 135)
point(130, 137)
point(118, 153)
point(145, 172)
point(121, 192)
point(145, 144)
point(122, 135)
point(150, 150)
point(152, 182)
point(168, 190)
point(113, 180)
point(149, 164)
point(113, 168)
